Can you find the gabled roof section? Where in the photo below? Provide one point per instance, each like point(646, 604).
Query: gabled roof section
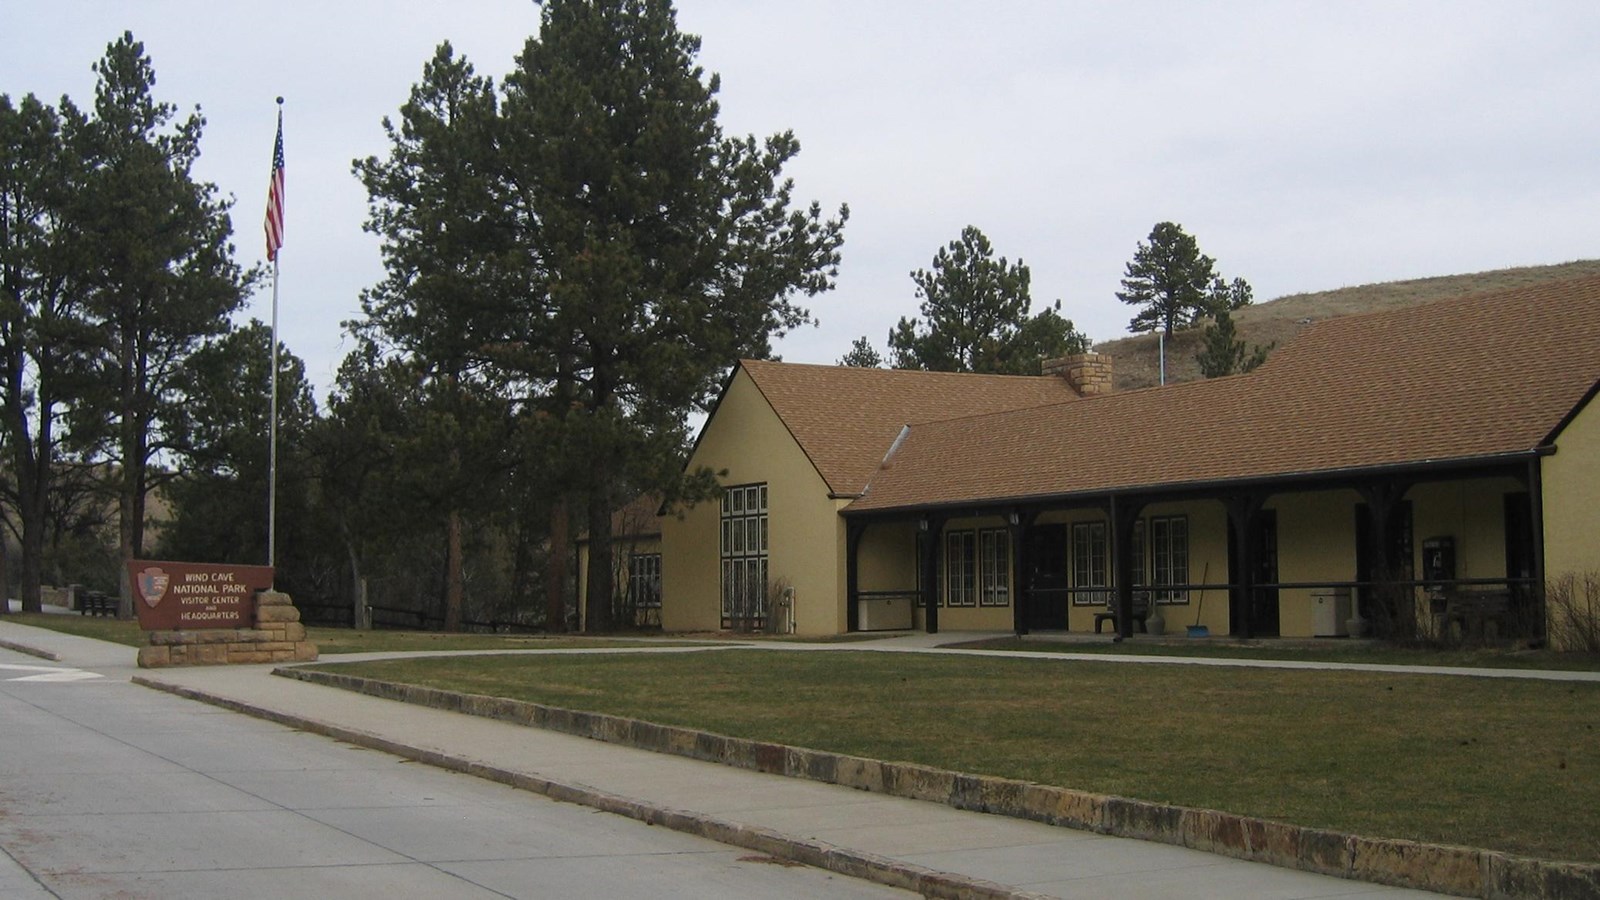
point(845, 418)
point(1470, 378)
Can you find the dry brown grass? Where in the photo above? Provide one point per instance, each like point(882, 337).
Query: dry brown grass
point(1136, 359)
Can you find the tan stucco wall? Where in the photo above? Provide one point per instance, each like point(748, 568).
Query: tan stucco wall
point(1316, 542)
point(1317, 537)
point(806, 542)
point(887, 557)
point(1572, 503)
point(1572, 497)
point(1471, 512)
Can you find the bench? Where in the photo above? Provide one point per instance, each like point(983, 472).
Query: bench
point(1141, 611)
point(97, 603)
point(1474, 610)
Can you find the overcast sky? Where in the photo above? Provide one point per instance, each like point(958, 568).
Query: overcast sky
point(1306, 145)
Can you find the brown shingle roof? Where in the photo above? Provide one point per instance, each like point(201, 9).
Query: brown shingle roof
point(1458, 379)
point(845, 418)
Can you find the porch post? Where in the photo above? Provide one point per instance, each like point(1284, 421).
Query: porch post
point(929, 533)
point(853, 530)
point(1124, 513)
point(1536, 515)
point(1383, 498)
point(1244, 510)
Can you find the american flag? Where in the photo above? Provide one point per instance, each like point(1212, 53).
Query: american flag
point(274, 224)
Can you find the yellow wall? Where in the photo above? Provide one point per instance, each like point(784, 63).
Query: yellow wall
point(1572, 510)
point(887, 557)
point(1572, 497)
point(806, 543)
point(1317, 537)
point(1316, 542)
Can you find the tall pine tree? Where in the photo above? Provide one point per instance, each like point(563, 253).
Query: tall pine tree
point(665, 249)
point(152, 244)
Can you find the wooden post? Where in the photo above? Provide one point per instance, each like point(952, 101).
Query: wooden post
point(853, 530)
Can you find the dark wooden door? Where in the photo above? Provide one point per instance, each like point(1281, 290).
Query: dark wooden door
point(1047, 578)
point(1264, 618)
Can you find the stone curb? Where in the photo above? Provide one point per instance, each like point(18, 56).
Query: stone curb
point(820, 854)
point(1464, 871)
point(31, 651)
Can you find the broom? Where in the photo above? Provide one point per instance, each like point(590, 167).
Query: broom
point(1198, 630)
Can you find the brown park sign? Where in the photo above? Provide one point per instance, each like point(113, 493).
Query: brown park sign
point(172, 596)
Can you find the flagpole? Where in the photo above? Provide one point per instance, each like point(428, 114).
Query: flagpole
point(275, 247)
point(272, 464)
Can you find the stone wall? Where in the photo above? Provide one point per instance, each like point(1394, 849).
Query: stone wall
point(277, 636)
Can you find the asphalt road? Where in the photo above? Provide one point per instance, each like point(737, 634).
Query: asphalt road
point(111, 790)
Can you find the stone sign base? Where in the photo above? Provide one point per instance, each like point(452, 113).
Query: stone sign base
point(277, 637)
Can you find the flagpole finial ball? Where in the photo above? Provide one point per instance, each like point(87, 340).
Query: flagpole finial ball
point(280, 101)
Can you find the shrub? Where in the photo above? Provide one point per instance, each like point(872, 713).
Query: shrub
point(1574, 603)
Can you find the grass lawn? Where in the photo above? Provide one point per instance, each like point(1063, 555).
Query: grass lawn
point(1311, 651)
point(335, 640)
point(1504, 764)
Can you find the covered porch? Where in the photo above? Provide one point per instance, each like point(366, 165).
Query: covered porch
point(1427, 551)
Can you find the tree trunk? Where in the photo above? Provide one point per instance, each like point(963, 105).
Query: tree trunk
point(555, 589)
point(358, 585)
point(452, 588)
point(597, 602)
point(30, 460)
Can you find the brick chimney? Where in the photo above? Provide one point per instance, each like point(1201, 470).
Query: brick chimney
point(1088, 373)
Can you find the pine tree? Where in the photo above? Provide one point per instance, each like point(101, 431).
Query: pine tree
point(1170, 279)
point(152, 245)
point(975, 316)
point(1224, 353)
point(664, 249)
point(432, 201)
point(862, 355)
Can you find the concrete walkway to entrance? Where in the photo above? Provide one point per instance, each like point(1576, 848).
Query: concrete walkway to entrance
point(940, 643)
point(967, 853)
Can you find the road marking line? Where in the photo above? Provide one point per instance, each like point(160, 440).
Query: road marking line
point(48, 673)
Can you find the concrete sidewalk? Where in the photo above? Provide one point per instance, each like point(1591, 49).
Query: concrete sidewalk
point(926, 846)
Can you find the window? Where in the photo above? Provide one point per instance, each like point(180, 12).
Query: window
point(644, 580)
point(960, 569)
point(1136, 556)
point(994, 567)
point(744, 556)
point(1089, 563)
point(1169, 545)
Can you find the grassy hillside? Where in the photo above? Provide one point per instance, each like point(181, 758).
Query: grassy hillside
point(1136, 359)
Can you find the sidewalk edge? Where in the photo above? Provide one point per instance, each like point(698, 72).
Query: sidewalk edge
point(820, 854)
point(1463, 871)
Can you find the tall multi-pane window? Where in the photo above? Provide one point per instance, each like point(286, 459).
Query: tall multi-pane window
point(744, 556)
point(994, 567)
point(1169, 547)
point(644, 589)
point(960, 568)
point(644, 580)
point(1089, 562)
